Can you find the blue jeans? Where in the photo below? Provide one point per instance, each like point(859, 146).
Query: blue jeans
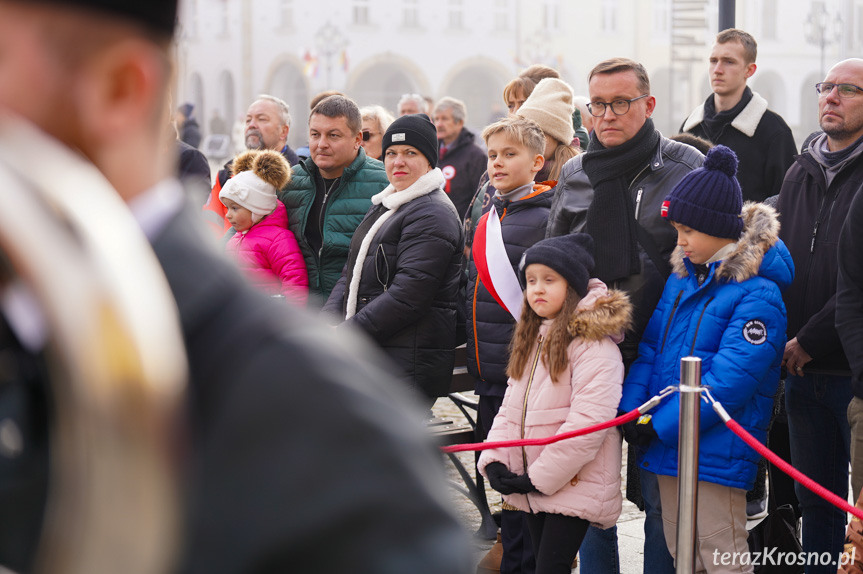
point(657, 558)
point(598, 553)
point(820, 448)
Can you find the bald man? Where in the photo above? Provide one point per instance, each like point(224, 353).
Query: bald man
point(815, 199)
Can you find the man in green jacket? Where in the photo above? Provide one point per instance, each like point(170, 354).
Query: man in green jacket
point(330, 192)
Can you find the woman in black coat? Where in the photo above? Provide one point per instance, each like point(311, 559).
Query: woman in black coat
point(401, 281)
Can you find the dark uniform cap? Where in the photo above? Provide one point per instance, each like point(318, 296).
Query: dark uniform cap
point(156, 15)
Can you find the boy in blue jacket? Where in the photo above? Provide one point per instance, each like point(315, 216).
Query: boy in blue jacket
point(723, 304)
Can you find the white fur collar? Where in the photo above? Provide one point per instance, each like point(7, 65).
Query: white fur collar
point(427, 183)
point(746, 121)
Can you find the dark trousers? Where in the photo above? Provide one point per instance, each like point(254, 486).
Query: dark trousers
point(780, 485)
point(556, 539)
point(518, 557)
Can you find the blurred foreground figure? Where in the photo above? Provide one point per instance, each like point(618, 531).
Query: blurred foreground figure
point(300, 456)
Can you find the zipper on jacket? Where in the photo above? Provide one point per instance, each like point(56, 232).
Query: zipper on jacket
point(524, 405)
point(670, 319)
point(698, 326)
point(380, 252)
point(810, 261)
point(637, 175)
point(324, 214)
point(475, 336)
point(638, 202)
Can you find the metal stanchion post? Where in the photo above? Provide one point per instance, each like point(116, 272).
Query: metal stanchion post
point(687, 462)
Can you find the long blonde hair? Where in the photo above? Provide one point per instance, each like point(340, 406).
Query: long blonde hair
point(554, 351)
point(562, 154)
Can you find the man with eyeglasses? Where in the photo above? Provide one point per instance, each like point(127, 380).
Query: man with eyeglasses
point(268, 122)
point(815, 199)
point(735, 116)
point(614, 191)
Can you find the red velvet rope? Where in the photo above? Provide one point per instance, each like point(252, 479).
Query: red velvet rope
point(622, 419)
point(634, 414)
point(791, 471)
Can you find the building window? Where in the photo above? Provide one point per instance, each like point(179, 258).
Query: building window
point(551, 14)
point(501, 15)
point(768, 20)
point(609, 15)
point(361, 12)
point(411, 14)
point(661, 19)
point(456, 14)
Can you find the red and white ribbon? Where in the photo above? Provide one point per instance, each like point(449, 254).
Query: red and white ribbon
point(493, 266)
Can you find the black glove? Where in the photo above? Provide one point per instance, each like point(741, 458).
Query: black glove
point(520, 484)
point(497, 472)
point(645, 433)
point(630, 433)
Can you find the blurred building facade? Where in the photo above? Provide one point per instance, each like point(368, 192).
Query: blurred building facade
point(376, 50)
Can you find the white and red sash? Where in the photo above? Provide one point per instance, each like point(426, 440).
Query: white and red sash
point(493, 266)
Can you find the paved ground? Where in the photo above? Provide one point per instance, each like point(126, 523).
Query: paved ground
point(630, 526)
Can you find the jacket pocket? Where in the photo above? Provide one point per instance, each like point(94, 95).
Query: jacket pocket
point(384, 267)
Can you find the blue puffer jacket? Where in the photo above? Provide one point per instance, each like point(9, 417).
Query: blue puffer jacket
point(735, 322)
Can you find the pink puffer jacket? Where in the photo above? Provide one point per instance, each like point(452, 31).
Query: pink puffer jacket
point(270, 257)
point(579, 476)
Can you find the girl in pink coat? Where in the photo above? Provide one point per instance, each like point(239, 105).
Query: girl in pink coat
point(263, 246)
point(565, 373)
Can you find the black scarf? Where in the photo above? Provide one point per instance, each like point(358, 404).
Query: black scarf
point(713, 123)
point(610, 217)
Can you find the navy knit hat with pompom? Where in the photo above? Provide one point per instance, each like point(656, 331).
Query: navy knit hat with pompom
point(570, 255)
point(708, 199)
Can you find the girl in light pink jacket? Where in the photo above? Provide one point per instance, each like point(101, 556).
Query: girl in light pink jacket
point(263, 246)
point(565, 373)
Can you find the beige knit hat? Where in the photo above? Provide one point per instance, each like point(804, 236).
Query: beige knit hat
point(550, 105)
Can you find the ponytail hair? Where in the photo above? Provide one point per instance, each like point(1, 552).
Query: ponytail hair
point(562, 154)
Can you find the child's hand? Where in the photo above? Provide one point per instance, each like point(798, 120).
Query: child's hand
point(640, 431)
point(497, 472)
point(520, 484)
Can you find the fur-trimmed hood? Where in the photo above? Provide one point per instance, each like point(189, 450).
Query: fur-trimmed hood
point(754, 254)
point(603, 312)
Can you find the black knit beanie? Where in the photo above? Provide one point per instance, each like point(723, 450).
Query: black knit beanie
point(708, 199)
point(569, 255)
point(415, 130)
point(159, 16)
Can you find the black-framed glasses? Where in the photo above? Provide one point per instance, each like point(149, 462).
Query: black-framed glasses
point(619, 107)
point(845, 90)
point(367, 135)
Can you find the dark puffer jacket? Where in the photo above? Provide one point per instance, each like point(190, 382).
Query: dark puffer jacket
point(345, 208)
point(404, 284)
point(490, 326)
point(572, 199)
point(812, 216)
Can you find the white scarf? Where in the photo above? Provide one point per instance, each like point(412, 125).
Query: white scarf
point(392, 200)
